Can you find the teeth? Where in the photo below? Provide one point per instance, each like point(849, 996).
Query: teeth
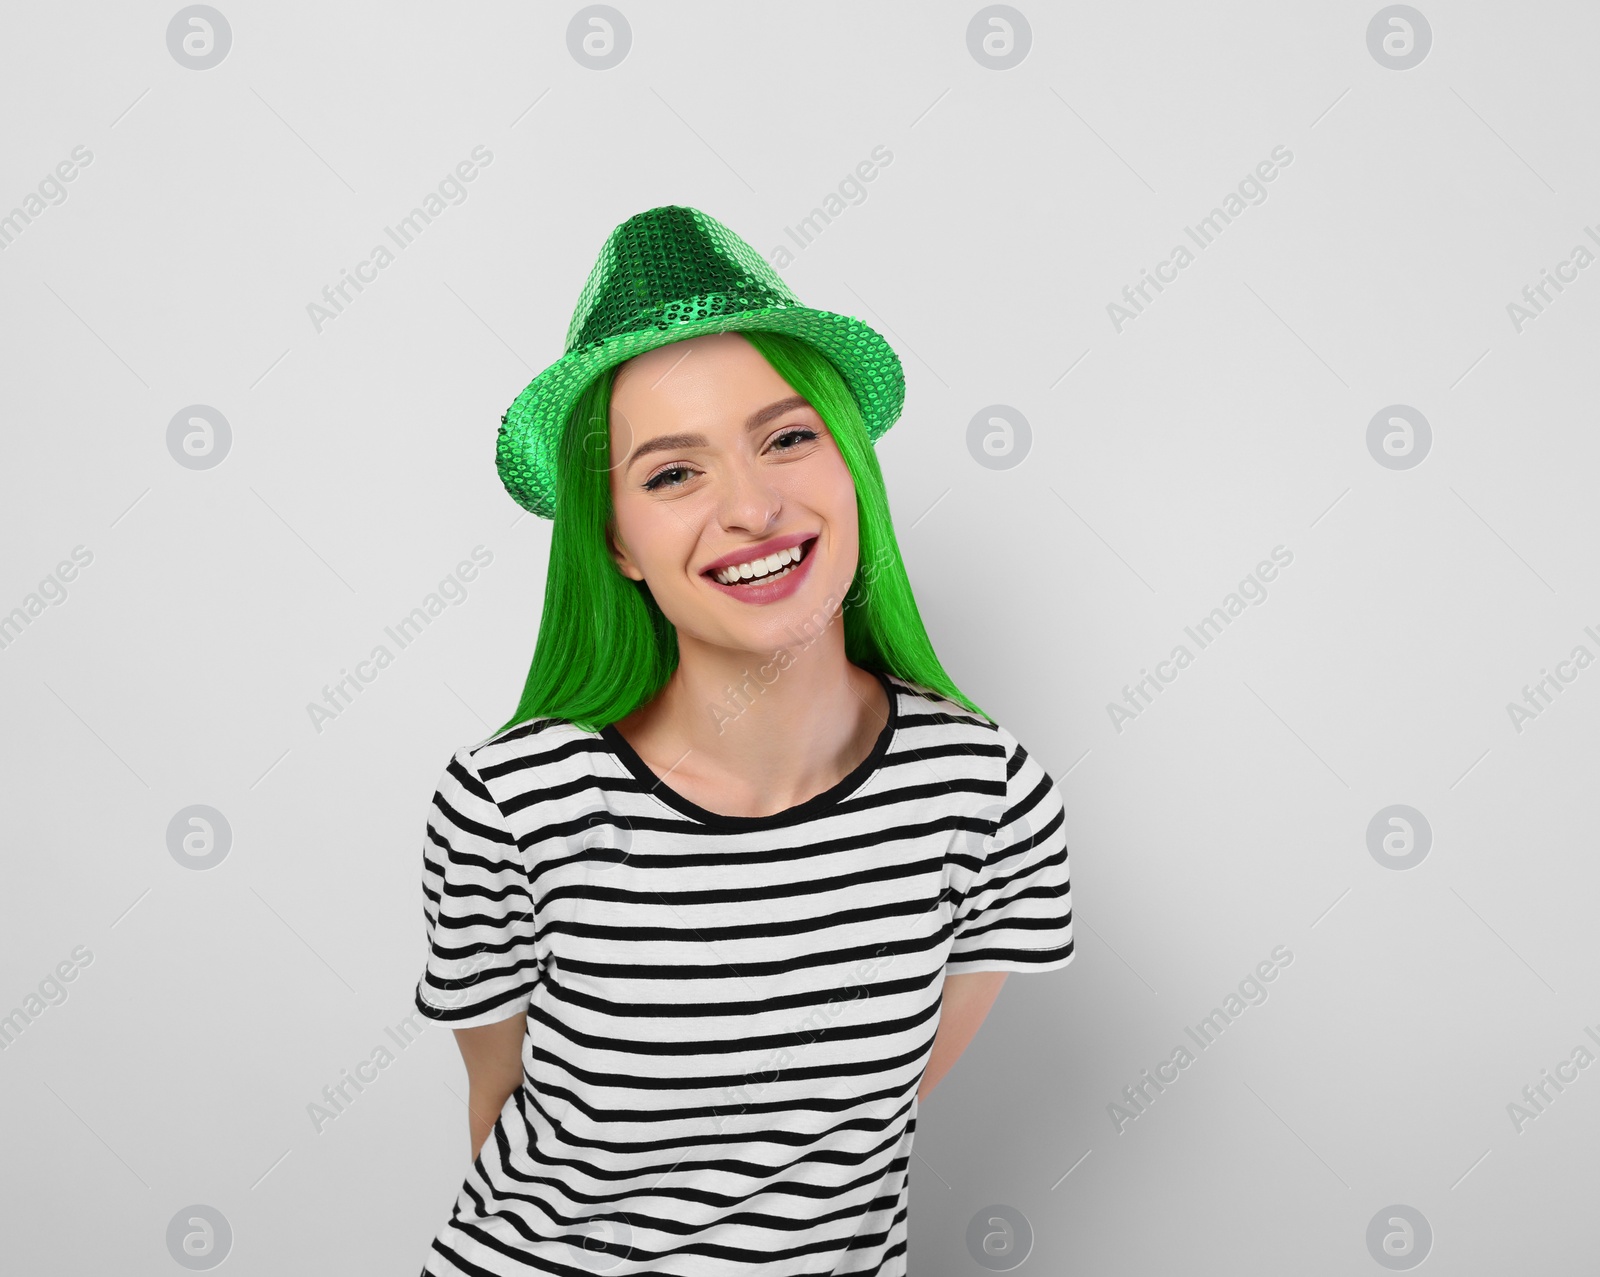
point(759, 567)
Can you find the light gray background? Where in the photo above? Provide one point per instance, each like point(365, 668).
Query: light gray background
point(1166, 461)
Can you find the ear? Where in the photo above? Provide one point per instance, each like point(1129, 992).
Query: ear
point(620, 555)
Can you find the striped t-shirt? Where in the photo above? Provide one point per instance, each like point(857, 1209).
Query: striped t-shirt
point(727, 1017)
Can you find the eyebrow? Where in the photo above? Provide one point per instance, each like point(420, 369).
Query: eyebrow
point(757, 419)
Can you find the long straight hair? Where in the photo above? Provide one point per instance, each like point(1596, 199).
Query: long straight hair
point(605, 647)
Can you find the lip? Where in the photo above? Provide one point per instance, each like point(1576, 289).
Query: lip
point(775, 590)
point(757, 551)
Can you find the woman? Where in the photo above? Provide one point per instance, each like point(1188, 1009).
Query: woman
point(740, 879)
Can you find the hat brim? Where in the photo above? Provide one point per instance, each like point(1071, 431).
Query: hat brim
point(530, 430)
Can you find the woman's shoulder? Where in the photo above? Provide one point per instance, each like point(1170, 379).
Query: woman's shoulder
point(533, 744)
point(930, 720)
point(924, 710)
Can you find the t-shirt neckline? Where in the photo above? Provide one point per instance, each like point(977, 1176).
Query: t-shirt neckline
point(814, 806)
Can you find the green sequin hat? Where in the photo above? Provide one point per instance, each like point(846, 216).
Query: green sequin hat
point(663, 276)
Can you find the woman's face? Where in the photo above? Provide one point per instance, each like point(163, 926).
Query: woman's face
point(716, 460)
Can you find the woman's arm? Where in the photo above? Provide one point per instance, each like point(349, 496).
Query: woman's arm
point(967, 999)
point(493, 1056)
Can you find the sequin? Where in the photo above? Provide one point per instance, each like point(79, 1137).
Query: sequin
point(666, 275)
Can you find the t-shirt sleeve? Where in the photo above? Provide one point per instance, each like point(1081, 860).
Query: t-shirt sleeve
point(1016, 913)
point(481, 967)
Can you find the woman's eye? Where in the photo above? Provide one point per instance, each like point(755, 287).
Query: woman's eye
point(658, 480)
point(663, 478)
point(805, 434)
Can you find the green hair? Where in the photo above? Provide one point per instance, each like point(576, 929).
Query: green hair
point(605, 647)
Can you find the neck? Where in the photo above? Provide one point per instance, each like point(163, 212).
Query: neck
point(769, 733)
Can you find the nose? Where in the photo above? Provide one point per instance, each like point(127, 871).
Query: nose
point(750, 501)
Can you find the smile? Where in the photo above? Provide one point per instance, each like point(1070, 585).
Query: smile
point(774, 565)
point(766, 580)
